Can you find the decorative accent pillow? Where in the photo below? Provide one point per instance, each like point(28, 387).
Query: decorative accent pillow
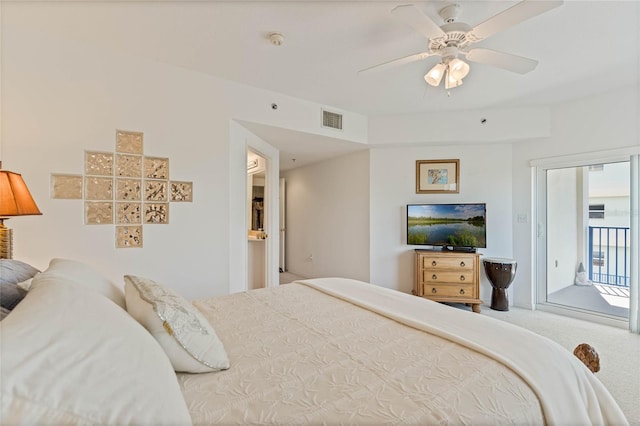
point(70, 356)
point(14, 271)
point(4, 312)
point(186, 336)
point(11, 295)
point(82, 275)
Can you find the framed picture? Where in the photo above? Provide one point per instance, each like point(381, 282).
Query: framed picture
point(437, 176)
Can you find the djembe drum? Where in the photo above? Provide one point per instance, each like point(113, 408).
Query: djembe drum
point(500, 273)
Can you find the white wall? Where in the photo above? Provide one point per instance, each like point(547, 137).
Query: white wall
point(327, 218)
point(462, 127)
point(61, 97)
point(485, 177)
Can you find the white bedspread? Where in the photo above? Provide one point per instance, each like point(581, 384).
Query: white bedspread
point(569, 393)
point(302, 353)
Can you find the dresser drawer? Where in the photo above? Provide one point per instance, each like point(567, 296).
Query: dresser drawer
point(449, 290)
point(437, 276)
point(434, 262)
point(448, 277)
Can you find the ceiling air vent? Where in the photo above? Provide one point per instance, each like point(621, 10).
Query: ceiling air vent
point(332, 120)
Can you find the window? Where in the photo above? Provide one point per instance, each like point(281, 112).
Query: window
point(596, 211)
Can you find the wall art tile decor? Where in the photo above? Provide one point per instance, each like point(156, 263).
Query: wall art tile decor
point(129, 142)
point(66, 187)
point(128, 236)
point(98, 188)
point(129, 165)
point(155, 190)
point(181, 191)
point(98, 213)
point(125, 188)
point(98, 163)
point(156, 213)
point(129, 189)
point(127, 213)
point(156, 168)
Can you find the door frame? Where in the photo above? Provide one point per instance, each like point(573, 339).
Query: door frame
point(539, 227)
point(271, 210)
point(240, 141)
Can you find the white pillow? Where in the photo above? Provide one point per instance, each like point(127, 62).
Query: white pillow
point(81, 274)
point(71, 356)
point(186, 336)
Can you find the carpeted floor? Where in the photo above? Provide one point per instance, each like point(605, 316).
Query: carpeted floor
point(619, 350)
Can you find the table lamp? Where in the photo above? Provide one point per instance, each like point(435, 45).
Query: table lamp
point(15, 200)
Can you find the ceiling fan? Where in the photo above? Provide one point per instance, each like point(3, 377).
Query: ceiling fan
point(454, 38)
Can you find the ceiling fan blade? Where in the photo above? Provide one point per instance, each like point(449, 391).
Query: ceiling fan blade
point(514, 15)
point(399, 61)
point(414, 17)
point(502, 60)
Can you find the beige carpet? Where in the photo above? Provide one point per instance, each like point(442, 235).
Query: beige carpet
point(619, 350)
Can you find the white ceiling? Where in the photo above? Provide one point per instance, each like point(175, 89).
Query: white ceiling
point(583, 47)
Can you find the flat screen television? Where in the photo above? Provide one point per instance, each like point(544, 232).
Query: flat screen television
point(452, 226)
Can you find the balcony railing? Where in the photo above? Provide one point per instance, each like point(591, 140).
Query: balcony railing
point(609, 255)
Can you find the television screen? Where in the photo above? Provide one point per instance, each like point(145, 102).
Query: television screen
point(456, 225)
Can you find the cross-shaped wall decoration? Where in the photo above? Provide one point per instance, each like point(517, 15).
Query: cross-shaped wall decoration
point(125, 188)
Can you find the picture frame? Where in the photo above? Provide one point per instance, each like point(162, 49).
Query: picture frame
point(438, 176)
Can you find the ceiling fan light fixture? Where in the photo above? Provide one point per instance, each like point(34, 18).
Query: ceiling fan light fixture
point(435, 74)
point(454, 37)
point(451, 81)
point(458, 69)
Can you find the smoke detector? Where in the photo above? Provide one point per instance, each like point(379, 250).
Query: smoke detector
point(276, 38)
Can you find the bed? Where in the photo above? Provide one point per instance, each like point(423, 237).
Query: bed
point(78, 350)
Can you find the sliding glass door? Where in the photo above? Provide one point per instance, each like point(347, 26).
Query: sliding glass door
point(586, 251)
point(588, 238)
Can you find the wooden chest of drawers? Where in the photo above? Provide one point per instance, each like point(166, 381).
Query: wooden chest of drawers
point(448, 277)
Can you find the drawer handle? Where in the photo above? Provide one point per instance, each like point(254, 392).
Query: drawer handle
point(433, 290)
point(434, 277)
point(434, 263)
point(462, 291)
point(462, 278)
point(462, 264)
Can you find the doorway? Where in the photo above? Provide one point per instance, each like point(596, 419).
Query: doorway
point(588, 239)
point(256, 220)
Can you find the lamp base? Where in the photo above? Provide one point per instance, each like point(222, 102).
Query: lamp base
point(6, 241)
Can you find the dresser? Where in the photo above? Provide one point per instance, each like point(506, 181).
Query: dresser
point(448, 277)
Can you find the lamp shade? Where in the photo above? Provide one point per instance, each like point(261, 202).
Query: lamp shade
point(15, 198)
point(458, 69)
point(451, 83)
point(434, 76)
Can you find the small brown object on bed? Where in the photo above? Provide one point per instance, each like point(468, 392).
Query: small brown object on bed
point(588, 355)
